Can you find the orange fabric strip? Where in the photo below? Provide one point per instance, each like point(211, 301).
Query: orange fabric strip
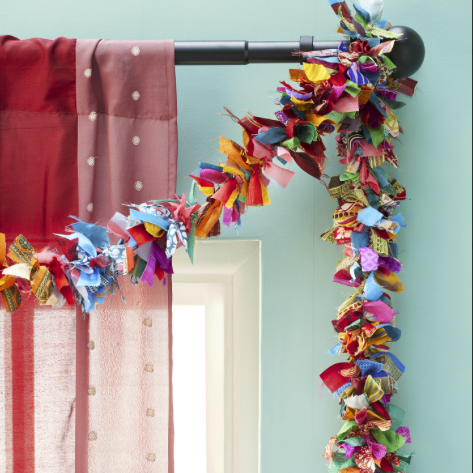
point(234, 152)
point(208, 219)
point(3, 249)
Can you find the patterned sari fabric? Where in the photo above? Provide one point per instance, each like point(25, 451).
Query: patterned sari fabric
point(85, 126)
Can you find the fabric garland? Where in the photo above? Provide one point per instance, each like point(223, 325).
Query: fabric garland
point(347, 91)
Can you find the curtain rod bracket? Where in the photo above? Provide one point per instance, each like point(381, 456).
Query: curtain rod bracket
point(306, 45)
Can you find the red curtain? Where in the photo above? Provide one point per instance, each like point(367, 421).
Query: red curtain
point(38, 137)
point(85, 126)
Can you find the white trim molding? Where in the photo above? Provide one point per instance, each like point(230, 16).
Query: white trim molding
point(226, 279)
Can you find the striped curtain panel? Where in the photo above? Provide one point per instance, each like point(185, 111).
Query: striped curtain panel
point(85, 126)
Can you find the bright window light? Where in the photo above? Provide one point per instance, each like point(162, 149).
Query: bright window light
point(189, 381)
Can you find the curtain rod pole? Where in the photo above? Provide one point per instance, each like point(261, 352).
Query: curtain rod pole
point(408, 54)
point(245, 52)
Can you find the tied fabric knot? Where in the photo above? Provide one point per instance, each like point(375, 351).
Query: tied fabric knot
point(81, 254)
point(90, 263)
point(255, 188)
point(360, 47)
point(28, 267)
point(373, 454)
point(365, 176)
point(359, 163)
point(181, 211)
point(161, 217)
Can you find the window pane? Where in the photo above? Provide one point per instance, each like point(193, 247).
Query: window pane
point(189, 389)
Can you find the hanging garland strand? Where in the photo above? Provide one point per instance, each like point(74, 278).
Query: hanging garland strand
point(347, 91)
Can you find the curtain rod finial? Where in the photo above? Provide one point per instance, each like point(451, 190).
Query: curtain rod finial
point(408, 54)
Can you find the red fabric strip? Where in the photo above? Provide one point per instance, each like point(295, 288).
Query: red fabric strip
point(140, 235)
point(332, 377)
point(23, 417)
point(255, 195)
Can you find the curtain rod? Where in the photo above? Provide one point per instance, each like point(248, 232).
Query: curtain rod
point(408, 55)
point(246, 52)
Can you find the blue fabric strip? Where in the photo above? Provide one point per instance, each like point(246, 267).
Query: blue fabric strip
point(150, 218)
point(372, 290)
point(335, 350)
point(210, 166)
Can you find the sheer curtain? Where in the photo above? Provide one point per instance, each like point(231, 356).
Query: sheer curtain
point(85, 126)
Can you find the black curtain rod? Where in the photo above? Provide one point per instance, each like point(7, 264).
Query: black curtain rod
point(246, 52)
point(408, 54)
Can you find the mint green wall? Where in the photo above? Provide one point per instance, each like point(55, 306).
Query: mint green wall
point(299, 299)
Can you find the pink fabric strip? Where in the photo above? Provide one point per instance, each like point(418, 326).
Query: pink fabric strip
point(127, 107)
point(130, 417)
point(127, 153)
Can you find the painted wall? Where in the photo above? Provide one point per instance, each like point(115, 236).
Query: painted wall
point(298, 298)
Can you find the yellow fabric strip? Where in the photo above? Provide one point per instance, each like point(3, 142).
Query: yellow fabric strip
point(235, 170)
point(42, 285)
point(316, 73)
point(265, 194)
point(207, 190)
point(317, 120)
point(372, 390)
point(232, 198)
point(154, 230)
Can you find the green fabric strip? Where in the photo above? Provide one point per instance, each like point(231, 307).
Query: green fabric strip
point(377, 135)
point(389, 439)
point(335, 116)
point(191, 237)
point(306, 133)
point(291, 144)
point(348, 426)
point(339, 462)
point(355, 441)
point(388, 62)
point(397, 415)
point(139, 268)
point(346, 176)
point(352, 89)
